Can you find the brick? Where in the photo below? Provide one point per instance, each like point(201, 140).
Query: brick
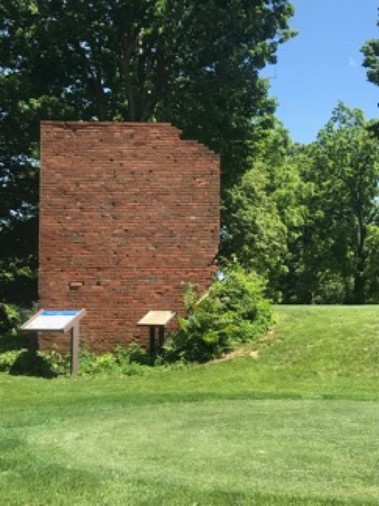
point(131, 212)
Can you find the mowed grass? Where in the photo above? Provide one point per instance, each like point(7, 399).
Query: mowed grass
point(296, 426)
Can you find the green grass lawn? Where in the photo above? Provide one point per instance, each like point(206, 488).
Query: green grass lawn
point(296, 426)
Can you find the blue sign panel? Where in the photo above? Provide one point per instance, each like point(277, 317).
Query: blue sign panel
point(59, 320)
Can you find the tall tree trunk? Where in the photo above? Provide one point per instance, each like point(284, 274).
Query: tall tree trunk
point(359, 278)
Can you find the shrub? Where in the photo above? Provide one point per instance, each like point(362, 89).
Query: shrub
point(8, 358)
point(11, 317)
point(59, 364)
point(129, 361)
point(123, 360)
point(29, 364)
point(234, 310)
point(132, 354)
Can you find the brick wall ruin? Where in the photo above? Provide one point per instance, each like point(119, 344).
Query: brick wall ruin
point(129, 213)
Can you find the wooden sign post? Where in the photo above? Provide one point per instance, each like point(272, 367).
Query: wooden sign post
point(156, 320)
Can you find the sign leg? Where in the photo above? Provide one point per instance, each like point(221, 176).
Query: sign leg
point(33, 343)
point(152, 344)
point(161, 337)
point(74, 345)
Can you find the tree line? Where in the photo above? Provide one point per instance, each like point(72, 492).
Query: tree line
point(307, 217)
point(303, 217)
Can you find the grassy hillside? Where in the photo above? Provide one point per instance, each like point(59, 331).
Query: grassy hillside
point(322, 349)
point(296, 424)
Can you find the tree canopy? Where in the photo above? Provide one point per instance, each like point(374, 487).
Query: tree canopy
point(303, 217)
point(343, 177)
point(194, 63)
point(370, 52)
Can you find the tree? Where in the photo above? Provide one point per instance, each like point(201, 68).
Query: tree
point(371, 61)
point(370, 52)
point(192, 62)
point(255, 233)
point(343, 208)
point(268, 212)
point(292, 192)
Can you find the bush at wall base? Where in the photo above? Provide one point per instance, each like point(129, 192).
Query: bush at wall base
point(234, 310)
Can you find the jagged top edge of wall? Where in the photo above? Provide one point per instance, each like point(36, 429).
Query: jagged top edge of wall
point(77, 125)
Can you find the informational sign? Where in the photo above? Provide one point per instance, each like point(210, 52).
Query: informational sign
point(156, 321)
point(157, 318)
point(54, 320)
point(61, 320)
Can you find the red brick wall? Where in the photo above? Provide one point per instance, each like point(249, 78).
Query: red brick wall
point(130, 213)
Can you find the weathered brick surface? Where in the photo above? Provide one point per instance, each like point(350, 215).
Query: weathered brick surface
point(129, 213)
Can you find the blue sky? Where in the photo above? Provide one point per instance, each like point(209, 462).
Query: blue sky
point(323, 64)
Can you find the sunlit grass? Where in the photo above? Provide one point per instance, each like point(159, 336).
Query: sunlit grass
point(297, 425)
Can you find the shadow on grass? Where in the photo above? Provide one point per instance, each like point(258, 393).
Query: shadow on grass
point(31, 364)
point(17, 358)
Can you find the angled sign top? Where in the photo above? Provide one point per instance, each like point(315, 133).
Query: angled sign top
point(54, 320)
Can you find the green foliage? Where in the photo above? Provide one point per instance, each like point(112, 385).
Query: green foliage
point(371, 273)
point(29, 364)
point(255, 230)
point(127, 361)
point(138, 60)
point(342, 209)
point(11, 317)
point(133, 353)
point(267, 209)
point(22, 362)
point(306, 218)
point(331, 288)
point(11, 337)
point(370, 52)
point(8, 358)
point(234, 310)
